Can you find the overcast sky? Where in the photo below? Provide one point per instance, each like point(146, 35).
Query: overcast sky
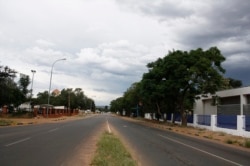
point(107, 43)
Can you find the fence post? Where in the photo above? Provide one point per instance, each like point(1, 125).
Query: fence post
point(172, 117)
point(241, 124)
point(213, 122)
point(195, 120)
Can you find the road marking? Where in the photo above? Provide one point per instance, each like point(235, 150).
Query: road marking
point(19, 141)
point(52, 130)
point(200, 150)
point(109, 130)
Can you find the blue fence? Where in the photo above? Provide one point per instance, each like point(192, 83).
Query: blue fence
point(177, 117)
point(190, 119)
point(204, 120)
point(227, 121)
point(247, 122)
point(169, 116)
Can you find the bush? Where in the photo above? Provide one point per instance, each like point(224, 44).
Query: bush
point(229, 141)
point(22, 114)
point(247, 143)
point(5, 122)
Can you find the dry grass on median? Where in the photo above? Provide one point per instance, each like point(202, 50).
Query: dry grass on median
point(111, 152)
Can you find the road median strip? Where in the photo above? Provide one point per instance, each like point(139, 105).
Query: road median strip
point(110, 151)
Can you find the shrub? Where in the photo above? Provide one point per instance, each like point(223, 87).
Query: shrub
point(229, 141)
point(247, 143)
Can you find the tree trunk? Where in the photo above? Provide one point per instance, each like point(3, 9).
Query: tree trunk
point(183, 114)
point(183, 118)
point(173, 120)
point(158, 111)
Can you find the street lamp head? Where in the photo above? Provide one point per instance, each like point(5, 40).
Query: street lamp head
point(33, 71)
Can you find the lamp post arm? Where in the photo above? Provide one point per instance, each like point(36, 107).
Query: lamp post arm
point(51, 78)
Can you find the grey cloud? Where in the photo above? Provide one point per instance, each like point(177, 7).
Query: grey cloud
point(165, 10)
point(107, 49)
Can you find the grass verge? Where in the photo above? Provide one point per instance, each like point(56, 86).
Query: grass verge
point(111, 152)
point(4, 122)
point(247, 143)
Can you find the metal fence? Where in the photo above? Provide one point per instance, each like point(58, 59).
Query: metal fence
point(204, 120)
point(227, 121)
point(177, 116)
point(169, 116)
point(247, 122)
point(190, 118)
point(229, 109)
point(246, 109)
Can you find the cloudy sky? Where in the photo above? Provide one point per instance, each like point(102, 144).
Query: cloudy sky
point(107, 43)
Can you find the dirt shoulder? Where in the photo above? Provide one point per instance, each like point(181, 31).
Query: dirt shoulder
point(39, 120)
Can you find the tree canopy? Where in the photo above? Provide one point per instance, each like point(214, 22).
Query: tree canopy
point(69, 98)
point(12, 93)
point(173, 82)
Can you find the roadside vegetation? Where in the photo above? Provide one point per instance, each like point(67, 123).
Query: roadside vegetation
point(111, 152)
point(173, 82)
point(14, 92)
point(4, 122)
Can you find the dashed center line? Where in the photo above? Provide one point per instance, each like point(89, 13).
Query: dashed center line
point(52, 130)
point(19, 141)
point(109, 130)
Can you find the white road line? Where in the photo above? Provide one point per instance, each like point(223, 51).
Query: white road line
point(109, 130)
point(19, 141)
point(200, 150)
point(53, 130)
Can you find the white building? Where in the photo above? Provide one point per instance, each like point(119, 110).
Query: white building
point(232, 101)
point(226, 111)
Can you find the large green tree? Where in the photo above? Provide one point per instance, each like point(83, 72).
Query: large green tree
point(12, 93)
point(131, 102)
point(181, 76)
point(23, 84)
point(117, 105)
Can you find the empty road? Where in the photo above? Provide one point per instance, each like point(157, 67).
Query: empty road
point(69, 143)
point(155, 147)
point(49, 144)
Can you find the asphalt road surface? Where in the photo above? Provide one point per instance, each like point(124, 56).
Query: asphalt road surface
point(51, 144)
point(59, 144)
point(155, 147)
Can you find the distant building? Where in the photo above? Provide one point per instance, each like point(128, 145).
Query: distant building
point(56, 92)
point(25, 106)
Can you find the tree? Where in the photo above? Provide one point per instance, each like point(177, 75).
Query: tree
point(131, 100)
point(24, 82)
point(11, 93)
point(152, 87)
point(117, 105)
point(7, 84)
point(233, 83)
point(42, 98)
point(185, 75)
point(70, 98)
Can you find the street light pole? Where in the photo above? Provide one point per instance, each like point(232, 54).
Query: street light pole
point(33, 72)
point(50, 81)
